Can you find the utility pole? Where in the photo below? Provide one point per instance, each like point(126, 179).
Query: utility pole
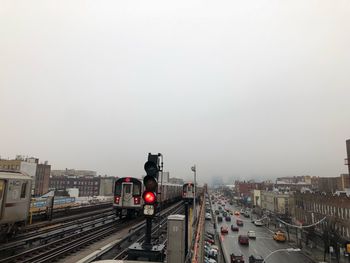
point(193, 168)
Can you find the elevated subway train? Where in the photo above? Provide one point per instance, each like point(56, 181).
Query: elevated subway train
point(15, 188)
point(188, 191)
point(128, 196)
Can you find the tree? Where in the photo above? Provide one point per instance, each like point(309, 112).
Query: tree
point(331, 237)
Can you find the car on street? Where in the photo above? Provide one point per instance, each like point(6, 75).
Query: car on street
point(236, 258)
point(217, 212)
point(209, 240)
point(237, 213)
point(256, 259)
point(251, 234)
point(231, 213)
point(219, 218)
point(234, 228)
point(224, 229)
point(209, 260)
point(258, 223)
point(239, 222)
point(246, 214)
point(224, 214)
point(243, 240)
point(207, 216)
point(279, 236)
point(228, 218)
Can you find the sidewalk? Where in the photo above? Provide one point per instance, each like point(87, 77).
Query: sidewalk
point(312, 251)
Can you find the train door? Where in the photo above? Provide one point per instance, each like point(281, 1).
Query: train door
point(2, 195)
point(127, 194)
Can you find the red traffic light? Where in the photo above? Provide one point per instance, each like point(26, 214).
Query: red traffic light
point(149, 197)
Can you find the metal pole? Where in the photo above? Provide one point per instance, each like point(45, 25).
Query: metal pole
point(147, 243)
point(186, 229)
point(52, 203)
point(194, 196)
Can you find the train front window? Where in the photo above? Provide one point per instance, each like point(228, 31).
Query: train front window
point(136, 189)
point(127, 188)
point(118, 189)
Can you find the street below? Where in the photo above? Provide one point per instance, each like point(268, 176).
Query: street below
point(263, 245)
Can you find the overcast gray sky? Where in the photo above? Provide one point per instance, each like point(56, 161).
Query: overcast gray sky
point(244, 89)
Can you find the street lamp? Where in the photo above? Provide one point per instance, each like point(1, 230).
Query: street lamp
point(193, 168)
point(280, 250)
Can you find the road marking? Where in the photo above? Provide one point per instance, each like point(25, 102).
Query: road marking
point(269, 230)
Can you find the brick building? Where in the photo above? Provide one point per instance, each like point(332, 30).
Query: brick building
point(88, 185)
point(310, 208)
point(333, 184)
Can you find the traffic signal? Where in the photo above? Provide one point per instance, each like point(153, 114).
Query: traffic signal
point(150, 183)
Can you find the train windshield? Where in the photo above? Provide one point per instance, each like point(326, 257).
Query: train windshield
point(137, 189)
point(118, 189)
point(127, 188)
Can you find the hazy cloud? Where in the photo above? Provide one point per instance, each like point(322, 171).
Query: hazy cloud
point(241, 88)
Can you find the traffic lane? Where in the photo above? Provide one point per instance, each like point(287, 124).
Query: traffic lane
point(262, 246)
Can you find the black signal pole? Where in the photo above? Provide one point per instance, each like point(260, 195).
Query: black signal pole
point(186, 229)
point(148, 244)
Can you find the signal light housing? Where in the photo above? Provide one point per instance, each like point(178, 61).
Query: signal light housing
point(150, 183)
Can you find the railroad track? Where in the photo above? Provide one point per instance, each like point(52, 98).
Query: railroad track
point(120, 250)
point(61, 247)
point(57, 248)
point(74, 213)
point(50, 235)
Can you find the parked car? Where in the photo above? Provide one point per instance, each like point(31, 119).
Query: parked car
point(217, 212)
point(224, 214)
point(239, 222)
point(207, 216)
point(224, 229)
point(251, 234)
point(246, 214)
point(209, 260)
point(234, 228)
point(219, 218)
point(237, 213)
point(243, 240)
point(280, 236)
point(228, 218)
point(258, 223)
point(236, 258)
point(256, 259)
point(209, 240)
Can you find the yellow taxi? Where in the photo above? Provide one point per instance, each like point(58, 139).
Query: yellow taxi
point(279, 236)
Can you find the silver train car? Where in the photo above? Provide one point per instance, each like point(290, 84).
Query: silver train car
point(15, 196)
point(128, 196)
point(188, 191)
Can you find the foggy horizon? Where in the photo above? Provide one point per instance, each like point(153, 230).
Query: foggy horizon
point(244, 90)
